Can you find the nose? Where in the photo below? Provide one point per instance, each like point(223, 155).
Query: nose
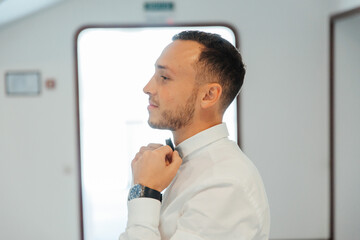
point(149, 88)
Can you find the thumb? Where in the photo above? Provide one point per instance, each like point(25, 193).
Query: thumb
point(176, 161)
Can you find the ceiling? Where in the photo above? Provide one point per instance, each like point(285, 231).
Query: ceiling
point(12, 10)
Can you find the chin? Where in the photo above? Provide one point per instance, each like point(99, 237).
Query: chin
point(159, 125)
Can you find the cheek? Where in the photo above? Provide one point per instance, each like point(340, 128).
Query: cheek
point(167, 97)
point(174, 96)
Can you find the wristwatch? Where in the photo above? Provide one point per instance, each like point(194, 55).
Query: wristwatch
point(138, 191)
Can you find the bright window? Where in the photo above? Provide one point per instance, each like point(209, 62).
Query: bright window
point(114, 64)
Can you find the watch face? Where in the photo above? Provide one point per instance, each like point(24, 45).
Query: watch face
point(135, 192)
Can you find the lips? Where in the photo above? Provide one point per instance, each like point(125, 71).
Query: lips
point(153, 104)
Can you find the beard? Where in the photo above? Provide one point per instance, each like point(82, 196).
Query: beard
point(177, 118)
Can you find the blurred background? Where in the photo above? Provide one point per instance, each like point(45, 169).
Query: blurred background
point(299, 110)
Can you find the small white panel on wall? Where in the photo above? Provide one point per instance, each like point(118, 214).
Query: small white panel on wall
point(22, 83)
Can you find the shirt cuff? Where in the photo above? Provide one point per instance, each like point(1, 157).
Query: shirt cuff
point(144, 211)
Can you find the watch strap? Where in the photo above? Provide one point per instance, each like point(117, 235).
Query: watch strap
point(152, 193)
point(138, 191)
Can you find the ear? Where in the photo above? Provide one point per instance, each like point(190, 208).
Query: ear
point(211, 95)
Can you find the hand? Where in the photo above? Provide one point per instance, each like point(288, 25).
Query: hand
point(155, 166)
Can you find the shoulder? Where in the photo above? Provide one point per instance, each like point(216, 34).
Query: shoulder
point(229, 161)
point(231, 167)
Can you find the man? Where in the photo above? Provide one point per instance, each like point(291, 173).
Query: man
point(213, 190)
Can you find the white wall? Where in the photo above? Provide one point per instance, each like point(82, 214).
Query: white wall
point(344, 5)
point(284, 111)
point(347, 127)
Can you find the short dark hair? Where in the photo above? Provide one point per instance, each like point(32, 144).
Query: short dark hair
point(219, 58)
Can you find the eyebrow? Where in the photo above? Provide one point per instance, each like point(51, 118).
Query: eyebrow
point(164, 67)
point(161, 66)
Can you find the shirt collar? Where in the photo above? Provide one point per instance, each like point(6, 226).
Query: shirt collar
point(202, 139)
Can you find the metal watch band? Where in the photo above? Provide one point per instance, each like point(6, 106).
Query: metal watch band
point(138, 191)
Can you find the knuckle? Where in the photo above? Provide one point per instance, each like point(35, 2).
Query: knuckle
point(154, 145)
point(146, 153)
point(137, 156)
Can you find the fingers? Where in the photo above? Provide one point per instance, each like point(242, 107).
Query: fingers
point(156, 168)
point(150, 146)
point(166, 153)
point(165, 150)
point(154, 145)
point(173, 158)
point(176, 161)
point(144, 149)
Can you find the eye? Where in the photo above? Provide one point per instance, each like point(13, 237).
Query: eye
point(164, 78)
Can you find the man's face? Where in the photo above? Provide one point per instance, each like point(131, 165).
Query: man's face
point(172, 90)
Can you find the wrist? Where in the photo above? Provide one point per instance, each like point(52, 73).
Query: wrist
point(139, 191)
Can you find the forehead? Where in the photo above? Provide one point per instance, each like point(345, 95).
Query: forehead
point(180, 55)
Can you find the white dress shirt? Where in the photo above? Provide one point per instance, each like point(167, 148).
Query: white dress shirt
point(217, 194)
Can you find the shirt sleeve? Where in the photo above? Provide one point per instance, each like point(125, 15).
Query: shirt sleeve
point(217, 210)
point(143, 220)
point(222, 210)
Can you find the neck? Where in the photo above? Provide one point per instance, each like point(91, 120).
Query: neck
point(192, 129)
